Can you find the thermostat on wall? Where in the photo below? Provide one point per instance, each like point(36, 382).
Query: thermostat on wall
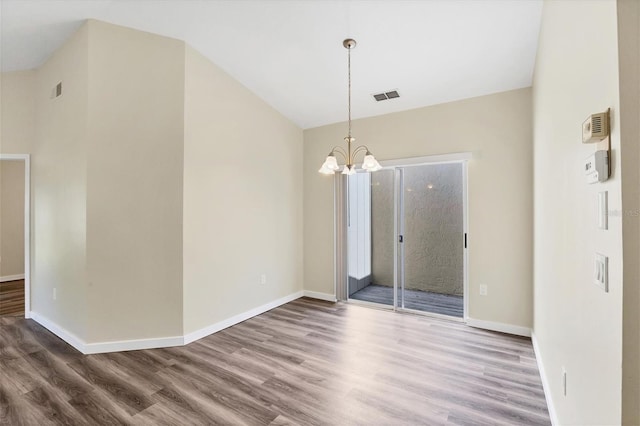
point(596, 167)
point(595, 127)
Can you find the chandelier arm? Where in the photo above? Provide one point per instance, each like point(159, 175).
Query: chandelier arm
point(342, 152)
point(358, 150)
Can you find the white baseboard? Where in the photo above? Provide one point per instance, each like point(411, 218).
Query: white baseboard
point(501, 327)
point(214, 328)
point(132, 345)
point(545, 383)
point(161, 342)
point(11, 278)
point(62, 333)
point(321, 296)
point(104, 347)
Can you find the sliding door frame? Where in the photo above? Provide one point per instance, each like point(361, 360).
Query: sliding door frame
point(340, 235)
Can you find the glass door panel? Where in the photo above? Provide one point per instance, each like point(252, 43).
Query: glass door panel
point(431, 257)
point(371, 237)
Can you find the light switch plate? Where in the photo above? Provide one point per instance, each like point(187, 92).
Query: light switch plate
point(603, 210)
point(601, 271)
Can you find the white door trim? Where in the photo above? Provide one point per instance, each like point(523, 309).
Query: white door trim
point(27, 226)
point(465, 230)
point(430, 159)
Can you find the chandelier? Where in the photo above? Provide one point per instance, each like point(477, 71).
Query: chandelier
point(369, 163)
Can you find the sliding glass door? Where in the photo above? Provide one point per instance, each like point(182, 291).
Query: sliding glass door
point(406, 238)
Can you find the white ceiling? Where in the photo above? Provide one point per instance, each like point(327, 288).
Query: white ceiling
point(289, 52)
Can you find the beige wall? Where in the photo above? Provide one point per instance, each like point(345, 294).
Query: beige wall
point(629, 60)
point(242, 198)
point(497, 130)
point(109, 170)
point(59, 177)
point(577, 325)
point(134, 184)
point(11, 218)
point(17, 112)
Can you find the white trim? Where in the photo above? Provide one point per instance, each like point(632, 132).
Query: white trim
point(335, 234)
point(545, 383)
point(499, 326)
point(465, 230)
point(27, 226)
point(430, 159)
point(320, 296)
point(14, 157)
point(160, 342)
point(59, 331)
point(132, 345)
point(214, 328)
point(11, 278)
point(397, 188)
point(27, 236)
point(103, 347)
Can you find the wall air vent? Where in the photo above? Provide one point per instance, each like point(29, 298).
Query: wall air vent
point(56, 91)
point(386, 95)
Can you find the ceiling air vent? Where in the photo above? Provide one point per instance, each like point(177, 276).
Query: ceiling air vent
point(386, 95)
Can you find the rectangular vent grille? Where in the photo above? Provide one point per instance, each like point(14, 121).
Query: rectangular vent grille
point(596, 124)
point(56, 91)
point(386, 95)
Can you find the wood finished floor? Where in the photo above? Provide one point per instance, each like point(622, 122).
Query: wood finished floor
point(307, 363)
point(12, 298)
point(425, 301)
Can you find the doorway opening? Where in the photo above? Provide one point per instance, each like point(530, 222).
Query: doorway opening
point(14, 235)
point(405, 237)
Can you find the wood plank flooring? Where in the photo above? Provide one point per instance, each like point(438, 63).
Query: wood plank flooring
point(305, 363)
point(12, 298)
point(425, 301)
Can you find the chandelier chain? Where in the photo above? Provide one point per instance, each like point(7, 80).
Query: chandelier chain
point(331, 164)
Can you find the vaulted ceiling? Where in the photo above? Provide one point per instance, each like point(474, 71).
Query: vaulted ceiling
point(289, 52)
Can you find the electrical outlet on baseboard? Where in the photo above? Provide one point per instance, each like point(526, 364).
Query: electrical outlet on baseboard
point(484, 290)
point(263, 279)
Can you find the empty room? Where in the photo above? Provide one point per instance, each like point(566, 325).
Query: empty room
point(310, 212)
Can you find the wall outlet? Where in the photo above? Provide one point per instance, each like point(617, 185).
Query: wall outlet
point(263, 279)
point(55, 293)
point(483, 290)
point(564, 381)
